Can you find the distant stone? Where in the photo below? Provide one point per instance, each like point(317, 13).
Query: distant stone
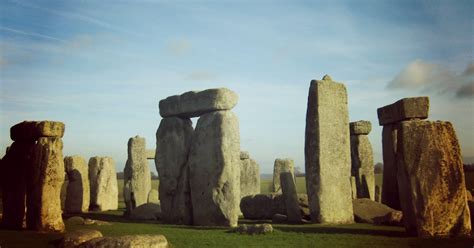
point(77, 237)
point(362, 164)
point(137, 173)
point(76, 220)
point(377, 194)
point(367, 211)
point(360, 127)
point(431, 180)
point(32, 130)
point(288, 187)
point(78, 188)
point(128, 241)
point(103, 182)
point(148, 211)
point(214, 170)
point(249, 177)
point(257, 207)
point(279, 219)
point(254, 229)
point(150, 154)
point(281, 165)
point(354, 187)
point(197, 103)
point(244, 155)
point(153, 196)
point(404, 109)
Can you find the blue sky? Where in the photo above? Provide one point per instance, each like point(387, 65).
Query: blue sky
point(101, 67)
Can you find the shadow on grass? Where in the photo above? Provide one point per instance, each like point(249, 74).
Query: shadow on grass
point(341, 230)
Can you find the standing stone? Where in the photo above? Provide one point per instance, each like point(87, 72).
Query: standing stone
point(281, 165)
point(78, 188)
point(249, 176)
point(354, 187)
point(137, 172)
point(214, 163)
point(103, 184)
point(390, 196)
point(327, 153)
point(288, 187)
point(173, 141)
point(431, 180)
point(362, 159)
point(377, 194)
point(44, 186)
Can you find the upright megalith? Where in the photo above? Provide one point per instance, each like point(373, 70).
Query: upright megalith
point(327, 153)
point(288, 187)
point(103, 184)
point(389, 116)
point(214, 164)
point(33, 168)
point(78, 188)
point(137, 173)
point(431, 179)
point(173, 141)
point(280, 166)
point(249, 175)
point(362, 159)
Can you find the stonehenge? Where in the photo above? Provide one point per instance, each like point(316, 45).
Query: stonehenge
point(103, 184)
point(288, 187)
point(78, 187)
point(280, 166)
point(249, 175)
point(199, 169)
point(362, 159)
point(136, 174)
point(33, 168)
point(328, 153)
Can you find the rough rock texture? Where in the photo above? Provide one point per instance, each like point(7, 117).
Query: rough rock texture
point(78, 188)
point(44, 186)
point(404, 109)
point(33, 130)
point(173, 141)
point(390, 195)
point(362, 160)
point(128, 241)
point(244, 155)
point(249, 177)
point(394, 218)
point(328, 153)
point(148, 211)
point(264, 206)
point(197, 103)
point(137, 172)
point(13, 178)
point(214, 163)
point(366, 210)
point(431, 180)
point(288, 187)
point(150, 154)
point(281, 165)
point(153, 196)
point(360, 127)
point(77, 237)
point(103, 184)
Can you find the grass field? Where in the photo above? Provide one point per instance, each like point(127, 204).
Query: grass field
point(308, 235)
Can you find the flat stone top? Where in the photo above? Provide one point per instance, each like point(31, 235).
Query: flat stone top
point(244, 155)
point(150, 154)
point(360, 127)
point(196, 103)
point(404, 109)
point(33, 130)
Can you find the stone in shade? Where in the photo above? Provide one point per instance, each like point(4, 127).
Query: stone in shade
point(78, 188)
point(197, 103)
point(431, 180)
point(362, 160)
point(103, 184)
point(390, 185)
point(281, 165)
point(404, 109)
point(327, 153)
point(32, 130)
point(214, 163)
point(288, 187)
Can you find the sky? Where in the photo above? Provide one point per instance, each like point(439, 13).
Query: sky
point(101, 67)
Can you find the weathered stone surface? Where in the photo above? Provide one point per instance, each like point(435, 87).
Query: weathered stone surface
point(431, 180)
point(78, 187)
point(264, 206)
point(288, 188)
point(362, 160)
point(214, 163)
point(360, 127)
point(244, 155)
point(404, 109)
point(13, 179)
point(173, 141)
point(196, 103)
point(103, 184)
point(128, 241)
point(366, 210)
point(153, 196)
point(32, 130)
point(77, 237)
point(147, 211)
point(327, 153)
point(390, 195)
point(249, 177)
point(281, 165)
point(254, 229)
point(44, 186)
point(150, 154)
point(137, 173)
point(394, 218)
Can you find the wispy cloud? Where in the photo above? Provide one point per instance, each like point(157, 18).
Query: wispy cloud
point(31, 34)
